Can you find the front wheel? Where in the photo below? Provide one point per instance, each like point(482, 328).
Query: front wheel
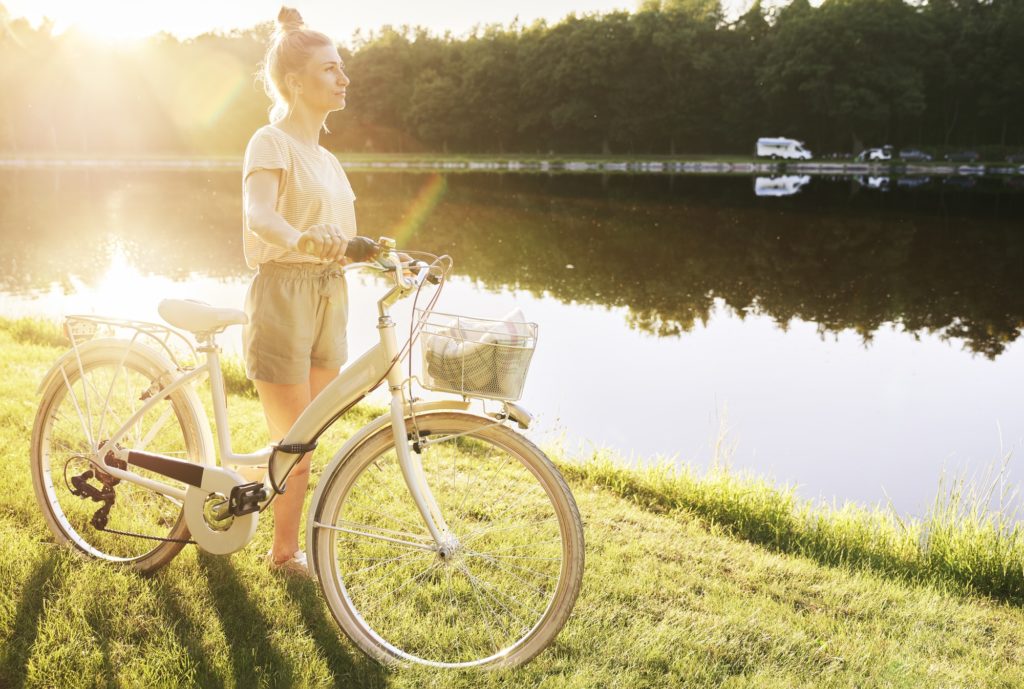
point(498, 589)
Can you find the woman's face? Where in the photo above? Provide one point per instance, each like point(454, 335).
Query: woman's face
point(322, 83)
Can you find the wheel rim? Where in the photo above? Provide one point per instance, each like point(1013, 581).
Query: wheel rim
point(77, 421)
point(478, 599)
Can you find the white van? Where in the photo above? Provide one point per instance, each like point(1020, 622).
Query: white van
point(779, 147)
point(786, 185)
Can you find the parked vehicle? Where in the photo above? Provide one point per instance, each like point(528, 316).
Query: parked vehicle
point(869, 154)
point(780, 147)
point(962, 157)
point(913, 182)
point(786, 185)
point(1015, 157)
point(880, 183)
point(971, 170)
point(915, 155)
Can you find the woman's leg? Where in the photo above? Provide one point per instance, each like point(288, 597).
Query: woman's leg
point(282, 405)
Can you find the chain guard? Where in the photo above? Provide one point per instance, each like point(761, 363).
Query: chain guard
point(216, 539)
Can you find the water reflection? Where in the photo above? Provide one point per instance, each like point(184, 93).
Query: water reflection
point(929, 261)
point(786, 185)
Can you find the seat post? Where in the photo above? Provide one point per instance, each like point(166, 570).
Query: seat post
point(218, 392)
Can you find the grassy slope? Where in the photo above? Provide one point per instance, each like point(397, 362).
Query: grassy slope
point(668, 599)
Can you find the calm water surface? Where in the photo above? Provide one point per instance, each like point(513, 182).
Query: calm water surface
point(854, 341)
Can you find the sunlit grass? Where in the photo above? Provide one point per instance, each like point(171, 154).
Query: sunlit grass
point(235, 380)
point(961, 542)
point(702, 581)
point(37, 331)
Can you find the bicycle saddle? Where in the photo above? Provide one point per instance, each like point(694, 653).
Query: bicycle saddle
point(199, 317)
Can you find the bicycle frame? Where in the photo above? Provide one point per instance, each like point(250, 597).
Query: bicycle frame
point(377, 365)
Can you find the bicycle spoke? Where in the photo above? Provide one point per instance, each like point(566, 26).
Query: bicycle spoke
point(484, 590)
point(487, 558)
point(530, 585)
point(484, 484)
point(508, 596)
point(86, 426)
point(368, 533)
point(408, 582)
point(476, 597)
point(382, 563)
point(514, 504)
point(520, 546)
point(110, 390)
point(423, 532)
point(491, 530)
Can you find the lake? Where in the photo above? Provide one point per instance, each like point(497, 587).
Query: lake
point(857, 339)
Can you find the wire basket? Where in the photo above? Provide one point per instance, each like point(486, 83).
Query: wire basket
point(475, 357)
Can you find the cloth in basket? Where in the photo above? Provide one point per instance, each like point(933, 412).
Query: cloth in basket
point(471, 358)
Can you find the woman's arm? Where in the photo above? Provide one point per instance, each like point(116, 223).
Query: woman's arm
point(261, 187)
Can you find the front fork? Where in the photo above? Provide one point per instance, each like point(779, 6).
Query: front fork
point(412, 471)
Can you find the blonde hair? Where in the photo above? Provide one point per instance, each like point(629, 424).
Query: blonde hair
point(291, 46)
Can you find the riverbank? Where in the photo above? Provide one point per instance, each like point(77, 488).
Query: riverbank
point(691, 580)
point(421, 162)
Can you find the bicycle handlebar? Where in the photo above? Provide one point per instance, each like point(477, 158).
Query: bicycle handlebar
point(388, 262)
point(382, 257)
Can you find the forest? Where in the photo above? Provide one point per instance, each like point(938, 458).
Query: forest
point(671, 77)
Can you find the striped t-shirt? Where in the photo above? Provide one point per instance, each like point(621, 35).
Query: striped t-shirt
point(313, 190)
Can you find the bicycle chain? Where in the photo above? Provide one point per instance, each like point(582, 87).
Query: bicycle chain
point(186, 541)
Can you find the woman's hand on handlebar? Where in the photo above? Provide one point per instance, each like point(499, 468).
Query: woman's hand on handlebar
point(323, 241)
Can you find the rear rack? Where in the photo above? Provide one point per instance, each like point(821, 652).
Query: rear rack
point(80, 328)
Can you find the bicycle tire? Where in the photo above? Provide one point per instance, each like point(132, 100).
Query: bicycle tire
point(121, 374)
point(433, 621)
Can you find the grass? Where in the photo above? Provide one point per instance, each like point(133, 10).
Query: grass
point(959, 544)
point(714, 581)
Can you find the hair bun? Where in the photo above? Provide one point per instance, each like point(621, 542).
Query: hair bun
point(289, 19)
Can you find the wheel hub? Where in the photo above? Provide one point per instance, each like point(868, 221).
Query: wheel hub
point(449, 550)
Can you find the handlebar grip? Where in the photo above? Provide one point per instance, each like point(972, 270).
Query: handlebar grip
point(360, 249)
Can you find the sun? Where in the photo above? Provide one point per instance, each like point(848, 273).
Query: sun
point(113, 21)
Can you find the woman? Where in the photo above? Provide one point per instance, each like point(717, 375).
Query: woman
point(299, 220)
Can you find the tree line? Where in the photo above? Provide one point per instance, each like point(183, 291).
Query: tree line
point(672, 77)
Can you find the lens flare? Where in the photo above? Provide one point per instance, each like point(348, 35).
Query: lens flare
point(429, 196)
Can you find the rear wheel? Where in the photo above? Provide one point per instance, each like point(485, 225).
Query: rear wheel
point(499, 588)
point(84, 505)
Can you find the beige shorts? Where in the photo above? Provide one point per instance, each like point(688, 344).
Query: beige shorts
point(297, 317)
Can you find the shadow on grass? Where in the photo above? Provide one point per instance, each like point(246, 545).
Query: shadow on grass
point(254, 660)
point(348, 665)
point(41, 586)
point(188, 634)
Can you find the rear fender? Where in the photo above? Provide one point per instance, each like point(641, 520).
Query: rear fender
point(115, 349)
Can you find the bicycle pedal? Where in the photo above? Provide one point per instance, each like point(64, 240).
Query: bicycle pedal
point(246, 498)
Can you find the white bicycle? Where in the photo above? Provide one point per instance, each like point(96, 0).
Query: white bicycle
point(438, 534)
